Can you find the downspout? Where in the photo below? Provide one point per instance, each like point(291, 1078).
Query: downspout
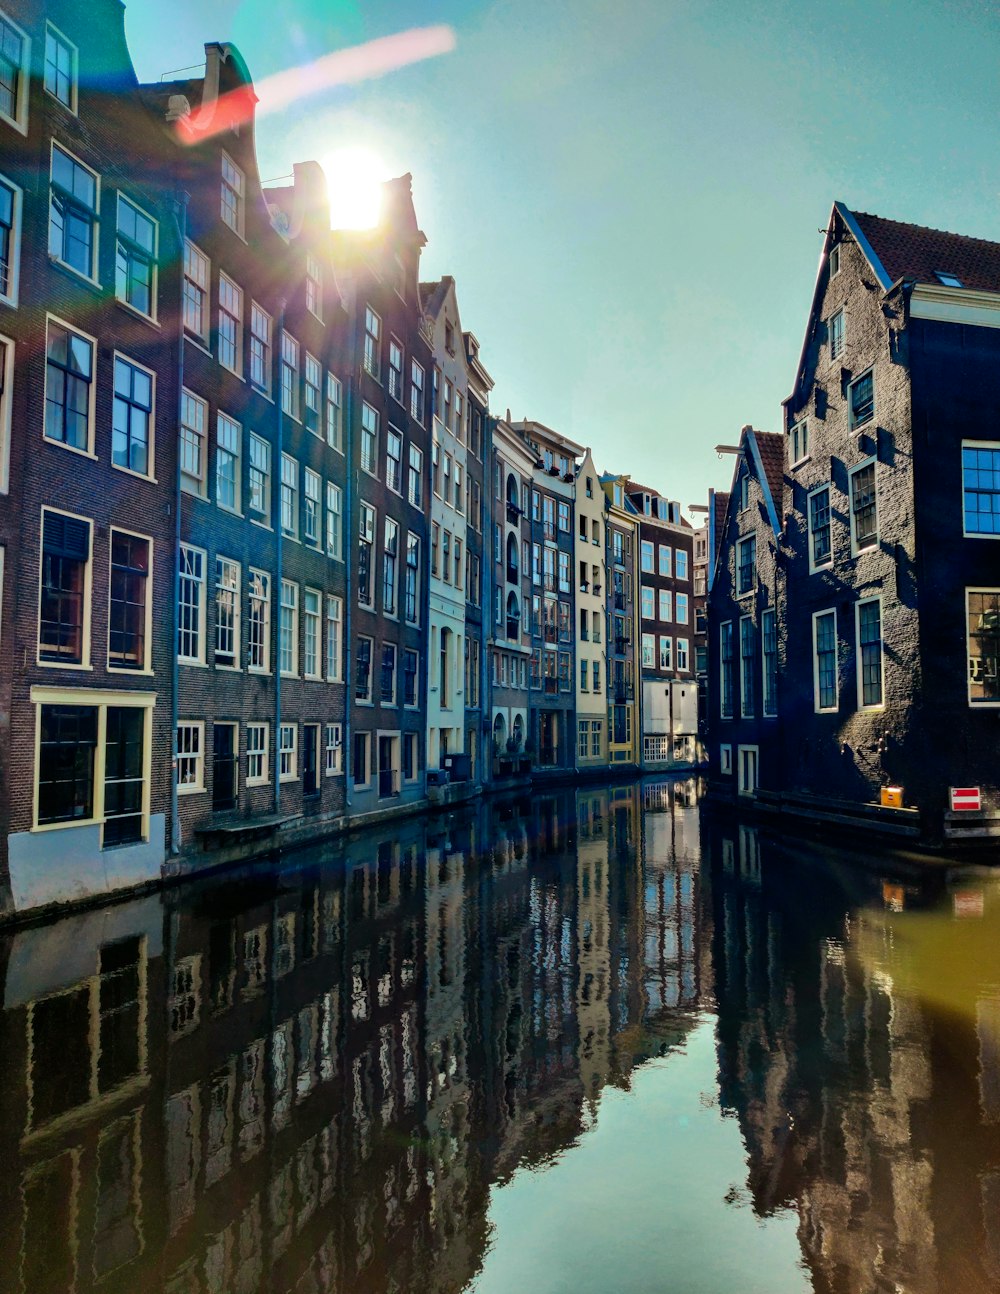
point(276, 602)
point(180, 216)
point(353, 378)
point(488, 618)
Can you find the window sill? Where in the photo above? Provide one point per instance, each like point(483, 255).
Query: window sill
point(259, 671)
point(86, 279)
point(285, 778)
point(136, 313)
point(190, 790)
point(198, 343)
point(55, 664)
point(228, 669)
point(131, 673)
point(259, 521)
point(263, 392)
point(191, 664)
point(251, 783)
point(129, 471)
point(233, 512)
point(71, 449)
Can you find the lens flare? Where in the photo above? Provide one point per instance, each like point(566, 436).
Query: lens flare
point(354, 178)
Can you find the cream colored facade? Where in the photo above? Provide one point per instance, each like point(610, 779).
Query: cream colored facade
point(591, 665)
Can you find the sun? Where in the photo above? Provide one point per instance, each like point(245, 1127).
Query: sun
point(354, 179)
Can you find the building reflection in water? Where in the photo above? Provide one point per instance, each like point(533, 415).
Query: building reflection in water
point(309, 1079)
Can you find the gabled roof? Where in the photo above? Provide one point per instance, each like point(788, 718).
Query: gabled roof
point(718, 506)
point(763, 452)
point(432, 295)
point(771, 447)
point(916, 252)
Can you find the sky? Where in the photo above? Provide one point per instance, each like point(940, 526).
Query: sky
point(629, 195)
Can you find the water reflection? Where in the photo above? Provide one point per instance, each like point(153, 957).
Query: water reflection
point(318, 1078)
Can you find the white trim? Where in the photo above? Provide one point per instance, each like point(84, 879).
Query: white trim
point(828, 563)
point(966, 444)
point(827, 709)
point(10, 298)
point(741, 785)
point(870, 461)
point(74, 103)
point(975, 705)
point(95, 265)
point(726, 759)
point(955, 305)
point(20, 118)
point(857, 652)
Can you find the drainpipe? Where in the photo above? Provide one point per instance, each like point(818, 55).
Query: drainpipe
point(346, 542)
point(180, 217)
point(276, 600)
point(489, 623)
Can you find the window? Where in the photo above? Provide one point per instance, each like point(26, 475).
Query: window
point(861, 400)
point(135, 258)
point(191, 606)
point(726, 759)
point(128, 601)
point(369, 438)
point(770, 645)
point(227, 613)
point(373, 333)
point(834, 261)
point(334, 413)
point(584, 676)
point(743, 488)
point(333, 741)
point(361, 764)
point(232, 195)
point(73, 211)
point(195, 295)
point(257, 743)
point(664, 559)
point(410, 663)
point(230, 325)
point(229, 436)
point(798, 442)
point(394, 460)
point(132, 418)
point(363, 670)
point(387, 685)
point(564, 581)
point(416, 391)
point(747, 757)
point(65, 591)
point(366, 538)
point(648, 651)
point(681, 608)
point(748, 665)
point(69, 387)
point(311, 603)
point(646, 556)
point(746, 569)
point(820, 542)
point(289, 375)
point(10, 235)
point(682, 654)
point(289, 496)
point(459, 497)
point(825, 660)
point(334, 639)
point(666, 652)
point(260, 477)
point(983, 641)
point(390, 564)
point(313, 394)
point(334, 522)
point(563, 517)
point(681, 563)
point(837, 335)
point(415, 486)
point(260, 348)
point(981, 487)
point(395, 370)
point(314, 287)
point(648, 602)
point(665, 609)
point(947, 279)
point(190, 758)
point(864, 515)
point(288, 629)
point(259, 627)
point(14, 46)
point(869, 631)
point(311, 517)
point(412, 591)
point(288, 755)
point(726, 670)
point(583, 739)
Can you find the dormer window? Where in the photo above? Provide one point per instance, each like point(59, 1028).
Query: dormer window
point(948, 279)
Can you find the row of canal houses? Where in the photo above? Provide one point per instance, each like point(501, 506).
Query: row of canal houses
point(854, 575)
point(270, 568)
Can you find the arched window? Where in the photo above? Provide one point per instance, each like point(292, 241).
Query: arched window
point(513, 616)
point(499, 733)
point(512, 559)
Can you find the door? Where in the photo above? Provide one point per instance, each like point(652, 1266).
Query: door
point(388, 774)
point(224, 760)
point(310, 759)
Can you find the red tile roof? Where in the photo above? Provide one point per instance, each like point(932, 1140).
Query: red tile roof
point(772, 456)
point(912, 251)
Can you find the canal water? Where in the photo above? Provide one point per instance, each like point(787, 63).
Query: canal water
point(590, 1040)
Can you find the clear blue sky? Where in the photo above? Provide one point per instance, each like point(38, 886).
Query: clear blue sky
point(628, 194)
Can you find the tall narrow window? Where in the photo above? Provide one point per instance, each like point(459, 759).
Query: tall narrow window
point(369, 438)
point(837, 335)
point(259, 622)
point(132, 417)
point(412, 608)
point(726, 669)
point(770, 646)
point(260, 478)
point(227, 612)
point(311, 606)
point(387, 688)
point(366, 538)
point(257, 754)
point(69, 375)
point(395, 370)
point(124, 775)
point(191, 605)
point(410, 664)
point(289, 496)
point(394, 460)
point(135, 258)
point(288, 628)
point(314, 287)
point(334, 413)
point(334, 639)
point(288, 760)
point(820, 541)
point(373, 333)
point(415, 484)
point(861, 400)
point(390, 565)
point(195, 295)
point(798, 443)
point(194, 412)
point(10, 226)
point(313, 393)
point(67, 752)
point(289, 375)
point(62, 615)
point(13, 73)
point(416, 391)
point(746, 570)
point(825, 660)
point(311, 518)
point(128, 601)
point(869, 628)
point(748, 666)
point(334, 522)
point(864, 518)
point(227, 463)
point(73, 214)
point(363, 670)
point(233, 186)
point(983, 645)
point(230, 325)
point(260, 348)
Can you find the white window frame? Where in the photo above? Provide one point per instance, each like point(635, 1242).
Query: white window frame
point(741, 753)
point(7, 371)
point(200, 647)
point(726, 760)
point(196, 260)
point(826, 709)
point(859, 664)
point(312, 492)
point(240, 193)
point(868, 422)
point(768, 612)
point(154, 256)
point(314, 287)
point(291, 354)
point(682, 659)
point(237, 652)
point(334, 657)
point(262, 753)
point(260, 516)
point(92, 275)
point(259, 315)
point(20, 118)
point(369, 440)
point(10, 297)
point(827, 563)
point(313, 411)
point(372, 353)
point(265, 602)
point(289, 489)
point(289, 748)
point(91, 395)
point(798, 439)
point(333, 749)
point(334, 522)
point(317, 647)
point(872, 462)
point(334, 413)
point(230, 285)
point(293, 644)
point(231, 425)
point(837, 352)
point(150, 473)
point(198, 785)
point(974, 705)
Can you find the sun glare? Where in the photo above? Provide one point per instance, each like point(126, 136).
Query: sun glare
point(354, 178)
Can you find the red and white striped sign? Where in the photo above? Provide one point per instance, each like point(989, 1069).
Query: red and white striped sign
point(965, 797)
